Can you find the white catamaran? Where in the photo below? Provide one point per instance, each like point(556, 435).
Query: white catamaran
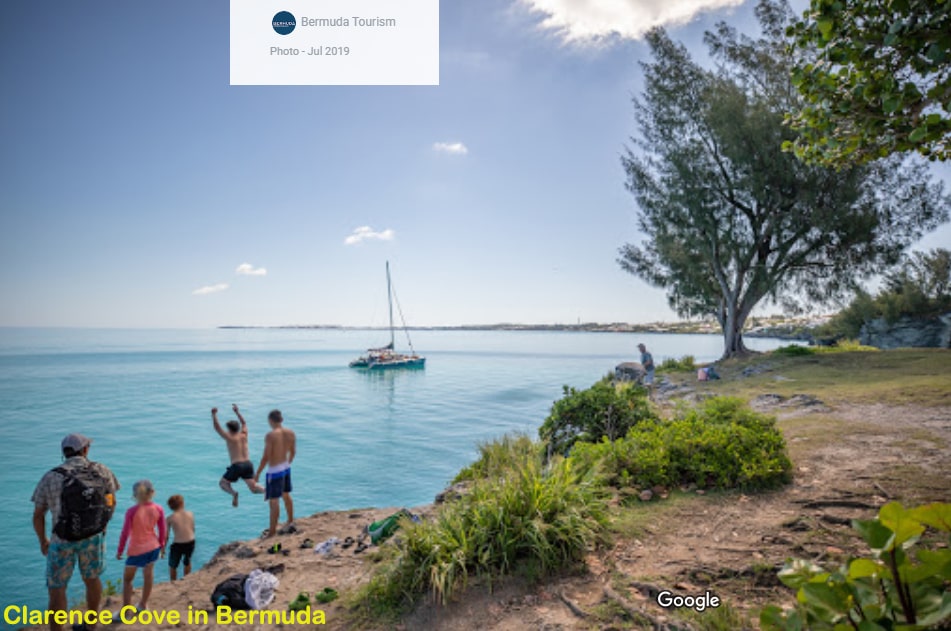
point(386, 356)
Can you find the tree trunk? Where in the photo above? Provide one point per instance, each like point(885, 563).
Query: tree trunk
point(733, 333)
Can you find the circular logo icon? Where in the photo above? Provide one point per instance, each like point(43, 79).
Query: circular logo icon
point(284, 22)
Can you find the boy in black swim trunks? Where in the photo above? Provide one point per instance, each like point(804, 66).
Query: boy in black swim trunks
point(182, 524)
point(237, 440)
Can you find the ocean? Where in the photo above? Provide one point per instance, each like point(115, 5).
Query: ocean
point(393, 438)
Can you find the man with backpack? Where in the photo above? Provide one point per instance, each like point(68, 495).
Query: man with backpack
point(80, 496)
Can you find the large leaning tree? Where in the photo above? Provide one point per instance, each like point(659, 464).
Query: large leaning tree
point(876, 79)
point(731, 219)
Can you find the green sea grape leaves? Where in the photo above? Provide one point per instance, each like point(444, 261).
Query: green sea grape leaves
point(901, 586)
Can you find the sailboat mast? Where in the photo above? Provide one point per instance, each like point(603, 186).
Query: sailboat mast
point(389, 295)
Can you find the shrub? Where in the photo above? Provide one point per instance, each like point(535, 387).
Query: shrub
point(524, 514)
point(889, 589)
point(602, 411)
point(720, 444)
point(684, 364)
point(794, 350)
point(845, 346)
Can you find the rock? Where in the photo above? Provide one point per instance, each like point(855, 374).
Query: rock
point(235, 548)
point(244, 552)
point(646, 495)
point(908, 332)
point(771, 400)
point(749, 371)
point(629, 371)
point(768, 400)
point(454, 492)
point(805, 401)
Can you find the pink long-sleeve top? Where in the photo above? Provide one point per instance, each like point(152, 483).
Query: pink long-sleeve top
point(139, 529)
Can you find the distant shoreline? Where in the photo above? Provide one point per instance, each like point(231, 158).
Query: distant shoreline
point(783, 329)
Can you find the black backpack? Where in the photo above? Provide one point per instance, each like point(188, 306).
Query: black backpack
point(230, 593)
point(84, 508)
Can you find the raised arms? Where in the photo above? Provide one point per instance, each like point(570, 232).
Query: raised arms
point(214, 420)
point(244, 426)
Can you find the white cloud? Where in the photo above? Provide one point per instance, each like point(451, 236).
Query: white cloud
point(591, 21)
point(364, 233)
point(210, 289)
point(246, 269)
point(452, 148)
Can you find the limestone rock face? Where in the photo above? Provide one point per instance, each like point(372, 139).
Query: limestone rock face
point(629, 371)
point(908, 333)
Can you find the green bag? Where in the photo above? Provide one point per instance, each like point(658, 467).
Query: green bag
point(382, 530)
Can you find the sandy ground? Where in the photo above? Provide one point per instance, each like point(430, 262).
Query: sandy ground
point(300, 569)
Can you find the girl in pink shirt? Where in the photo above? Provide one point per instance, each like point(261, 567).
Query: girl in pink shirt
point(144, 530)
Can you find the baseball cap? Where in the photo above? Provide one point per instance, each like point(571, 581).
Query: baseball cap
point(142, 485)
point(76, 442)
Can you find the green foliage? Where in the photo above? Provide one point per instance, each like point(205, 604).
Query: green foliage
point(844, 346)
point(895, 587)
point(876, 76)
point(841, 346)
point(603, 410)
point(729, 218)
point(112, 587)
point(720, 444)
point(794, 350)
point(919, 288)
point(525, 515)
point(684, 364)
point(499, 456)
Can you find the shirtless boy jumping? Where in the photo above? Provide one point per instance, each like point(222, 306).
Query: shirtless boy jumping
point(237, 440)
point(279, 450)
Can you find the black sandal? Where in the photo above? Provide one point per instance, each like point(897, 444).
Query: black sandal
point(360, 548)
point(347, 543)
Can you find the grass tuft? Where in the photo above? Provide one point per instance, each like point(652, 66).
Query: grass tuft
point(684, 364)
point(522, 514)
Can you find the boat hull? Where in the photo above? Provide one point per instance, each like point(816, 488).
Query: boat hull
point(386, 363)
point(409, 362)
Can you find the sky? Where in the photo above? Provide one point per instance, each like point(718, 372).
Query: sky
point(139, 189)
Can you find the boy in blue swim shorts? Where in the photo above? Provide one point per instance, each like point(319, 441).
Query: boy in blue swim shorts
point(280, 447)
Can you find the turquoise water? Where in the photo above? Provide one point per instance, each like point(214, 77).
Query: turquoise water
point(364, 439)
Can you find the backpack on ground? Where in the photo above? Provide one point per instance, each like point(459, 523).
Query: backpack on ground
point(230, 593)
point(86, 504)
